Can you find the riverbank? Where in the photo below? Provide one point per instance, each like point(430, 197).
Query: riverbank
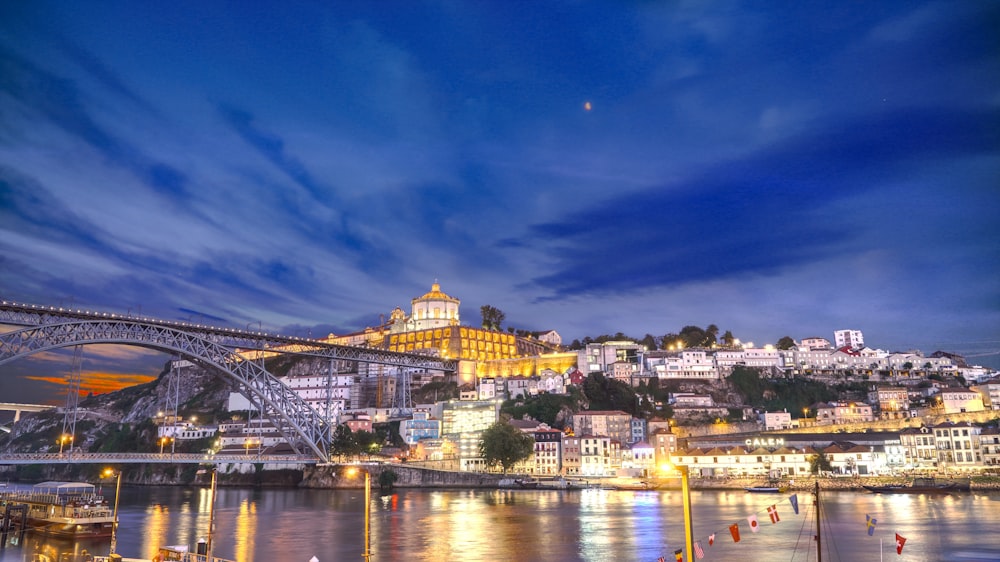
point(335, 476)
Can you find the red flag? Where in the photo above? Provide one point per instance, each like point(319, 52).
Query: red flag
point(734, 530)
point(753, 523)
point(711, 539)
point(660, 559)
point(900, 541)
point(699, 553)
point(773, 513)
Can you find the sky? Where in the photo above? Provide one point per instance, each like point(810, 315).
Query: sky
point(589, 167)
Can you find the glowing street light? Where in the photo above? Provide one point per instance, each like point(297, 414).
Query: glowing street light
point(353, 471)
point(63, 439)
point(163, 441)
point(108, 473)
point(686, 495)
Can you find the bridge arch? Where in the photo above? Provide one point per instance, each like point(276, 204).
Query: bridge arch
point(292, 416)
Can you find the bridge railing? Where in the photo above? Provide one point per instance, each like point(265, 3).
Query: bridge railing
point(165, 458)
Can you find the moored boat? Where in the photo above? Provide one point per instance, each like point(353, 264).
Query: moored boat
point(64, 509)
point(766, 489)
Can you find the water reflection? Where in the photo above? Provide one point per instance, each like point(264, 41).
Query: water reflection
point(527, 525)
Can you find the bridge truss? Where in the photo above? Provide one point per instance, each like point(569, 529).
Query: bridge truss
point(220, 350)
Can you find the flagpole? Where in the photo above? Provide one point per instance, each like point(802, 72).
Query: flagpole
point(880, 549)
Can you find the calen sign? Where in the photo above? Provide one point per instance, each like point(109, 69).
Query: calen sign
point(765, 442)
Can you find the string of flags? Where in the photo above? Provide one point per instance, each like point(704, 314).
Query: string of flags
point(774, 517)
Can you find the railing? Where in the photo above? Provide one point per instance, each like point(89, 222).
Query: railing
point(158, 458)
point(184, 557)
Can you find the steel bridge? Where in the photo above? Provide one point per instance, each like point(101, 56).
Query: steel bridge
point(220, 350)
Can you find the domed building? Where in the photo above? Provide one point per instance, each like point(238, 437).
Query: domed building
point(433, 310)
point(433, 326)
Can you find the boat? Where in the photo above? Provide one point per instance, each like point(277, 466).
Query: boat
point(921, 486)
point(181, 553)
point(766, 489)
point(636, 486)
point(63, 509)
point(527, 483)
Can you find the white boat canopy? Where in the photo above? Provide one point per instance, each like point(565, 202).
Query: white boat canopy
point(64, 487)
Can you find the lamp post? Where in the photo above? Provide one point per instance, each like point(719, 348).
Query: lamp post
point(686, 497)
point(368, 507)
point(63, 439)
point(163, 441)
point(108, 472)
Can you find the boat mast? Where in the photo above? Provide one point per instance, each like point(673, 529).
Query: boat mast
point(819, 551)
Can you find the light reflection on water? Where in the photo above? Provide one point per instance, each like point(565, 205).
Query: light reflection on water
point(528, 525)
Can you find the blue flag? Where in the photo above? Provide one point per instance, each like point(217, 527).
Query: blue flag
point(794, 498)
point(871, 524)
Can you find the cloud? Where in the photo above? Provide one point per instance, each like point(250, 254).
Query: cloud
point(754, 215)
point(59, 101)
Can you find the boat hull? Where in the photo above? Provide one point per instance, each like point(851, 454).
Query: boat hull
point(765, 490)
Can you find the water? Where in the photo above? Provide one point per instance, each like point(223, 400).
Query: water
point(535, 525)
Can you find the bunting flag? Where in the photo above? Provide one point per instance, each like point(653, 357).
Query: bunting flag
point(698, 552)
point(711, 539)
point(677, 555)
point(661, 559)
point(772, 512)
point(734, 530)
point(871, 524)
point(794, 498)
point(753, 523)
point(900, 541)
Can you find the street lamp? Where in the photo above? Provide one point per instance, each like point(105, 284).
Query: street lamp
point(163, 441)
point(353, 471)
point(63, 439)
point(108, 473)
point(250, 442)
point(686, 495)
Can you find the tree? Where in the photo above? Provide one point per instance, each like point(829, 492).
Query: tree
point(505, 445)
point(728, 339)
point(345, 443)
point(605, 393)
point(820, 463)
point(786, 343)
point(493, 317)
point(649, 341)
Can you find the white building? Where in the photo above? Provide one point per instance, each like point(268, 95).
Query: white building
point(776, 420)
point(815, 343)
point(432, 310)
point(550, 337)
point(843, 412)
point(990, 393)
point(849, 338)
point(599, 357)
point(686, 364)
point(956, 401)
point(958, 445)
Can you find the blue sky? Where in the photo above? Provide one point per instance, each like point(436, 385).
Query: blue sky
point(772, 169)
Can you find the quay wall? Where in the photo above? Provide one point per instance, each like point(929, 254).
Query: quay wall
point(977, 483)
point(337, 476)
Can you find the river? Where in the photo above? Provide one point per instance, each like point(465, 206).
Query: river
point(295, 525)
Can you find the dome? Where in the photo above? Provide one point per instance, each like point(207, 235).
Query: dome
point(436, 295)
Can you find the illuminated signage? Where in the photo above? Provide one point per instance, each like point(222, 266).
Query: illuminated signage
point(765, 442)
